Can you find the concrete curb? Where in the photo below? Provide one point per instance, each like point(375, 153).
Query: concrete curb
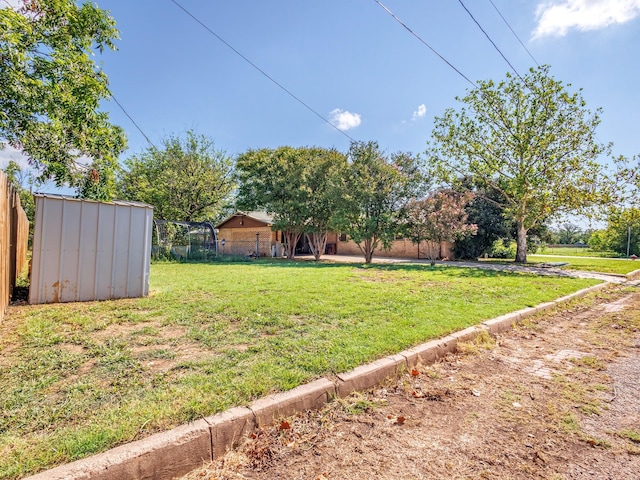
point(161, 456)
point(176, 452)
point(631, 274)
point(312, 396)
point(370, 375)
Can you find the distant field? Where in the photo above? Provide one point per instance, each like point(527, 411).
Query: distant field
point(602, 265)
point(575, 251)
point(618, 266)
point(80, 378)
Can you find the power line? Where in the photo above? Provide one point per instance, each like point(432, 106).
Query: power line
point(133, 121)
point(425, 43)
point(112, 96)
point(480, 90)
point(489, 38)
point(514, 33)
point(265, 74)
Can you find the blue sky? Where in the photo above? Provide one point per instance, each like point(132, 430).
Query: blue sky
point(352, 63)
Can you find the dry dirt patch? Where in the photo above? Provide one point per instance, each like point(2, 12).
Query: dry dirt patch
point(556, 398)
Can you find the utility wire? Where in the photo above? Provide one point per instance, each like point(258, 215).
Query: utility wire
point(425, 43)
point(133, 121)
point(489, 38)
point(481, 91)
point(265, 74)
point(514, 33)
point(114, 99)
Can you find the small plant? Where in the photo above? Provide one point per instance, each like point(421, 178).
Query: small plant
point(630, 435)
point(569, 423)
point(595, 441)
point(484, 341)
point(589, 361)
point(357, 404)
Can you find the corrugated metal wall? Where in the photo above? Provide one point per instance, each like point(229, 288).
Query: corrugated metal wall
point(85, 250)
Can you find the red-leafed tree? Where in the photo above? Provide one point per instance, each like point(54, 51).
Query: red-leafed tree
point(440, 217)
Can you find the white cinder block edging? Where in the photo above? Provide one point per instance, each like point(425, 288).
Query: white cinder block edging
point(173, 453)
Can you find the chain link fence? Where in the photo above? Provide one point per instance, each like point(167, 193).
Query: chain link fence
point(248, 248)
point(183, 240)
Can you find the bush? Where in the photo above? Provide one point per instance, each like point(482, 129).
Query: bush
point(502, 249)
point(533, 244)
point(598, 241)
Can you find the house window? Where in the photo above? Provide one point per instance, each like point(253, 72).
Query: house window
point(343, 237)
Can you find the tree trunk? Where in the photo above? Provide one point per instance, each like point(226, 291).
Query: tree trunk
point(290, 241)
point(317, 243)
point(368, 250)
point(521, 244)
point(432, 248)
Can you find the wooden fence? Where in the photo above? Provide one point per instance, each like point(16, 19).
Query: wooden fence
point(14, 239)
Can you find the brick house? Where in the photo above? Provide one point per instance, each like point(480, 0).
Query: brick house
point(239, 233)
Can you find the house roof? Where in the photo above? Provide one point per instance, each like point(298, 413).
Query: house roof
point(263, 217)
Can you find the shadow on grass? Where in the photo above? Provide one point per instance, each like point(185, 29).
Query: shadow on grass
point(447, 269)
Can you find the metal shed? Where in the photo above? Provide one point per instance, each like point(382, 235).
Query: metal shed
point(85, 250)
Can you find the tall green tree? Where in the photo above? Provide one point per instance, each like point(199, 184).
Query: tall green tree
point(187, 179)
point(531, 140)
point(378, 187)
point(568, 233)
point(302, 188)
point(623, 231)
point(325, 184)
point(51, 88)
point(20, 178)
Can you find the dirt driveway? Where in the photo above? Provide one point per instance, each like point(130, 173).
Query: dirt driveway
point(556, 398)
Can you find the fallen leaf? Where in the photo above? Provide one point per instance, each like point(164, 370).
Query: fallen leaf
point(284, 425)
point(415, 372)
point(400, 420)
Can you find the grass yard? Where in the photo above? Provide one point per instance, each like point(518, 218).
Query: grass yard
point(603, 265)
point(80, 378)
point(620, 266)
point(576, 251)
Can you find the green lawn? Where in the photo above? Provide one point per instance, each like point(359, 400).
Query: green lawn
point(620, 266)
point(80, 378)
point(603, 265)
point(576, 251)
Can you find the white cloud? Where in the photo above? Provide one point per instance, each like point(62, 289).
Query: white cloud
point(345, 120)
point(12, 3)
point(9, 153)
point(557, 17)
point(421, 112)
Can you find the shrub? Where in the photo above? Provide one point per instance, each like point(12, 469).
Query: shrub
point(502, 249)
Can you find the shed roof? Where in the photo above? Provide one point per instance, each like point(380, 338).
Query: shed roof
point(57, 196)
point(262, 217)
